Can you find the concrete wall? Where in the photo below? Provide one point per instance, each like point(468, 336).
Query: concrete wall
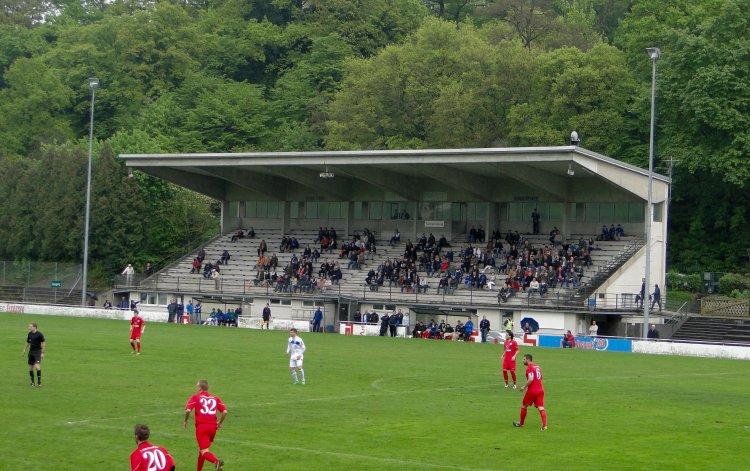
point(734, 352)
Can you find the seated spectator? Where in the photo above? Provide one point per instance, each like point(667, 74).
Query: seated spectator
point(262, 248)
point(527, 328)
point(251, 233)
point(534, 288)
point(225, 257)
point(419, 328)
point(201, 255)
point(396, 238)
point(569, 341)
point(619, 232)
point(423, 285)
point(107, 304)
point(196, 267)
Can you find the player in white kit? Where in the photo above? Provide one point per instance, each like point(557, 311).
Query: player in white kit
point(295, 348)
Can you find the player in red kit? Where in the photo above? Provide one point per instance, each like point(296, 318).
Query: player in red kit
point(510, 350)
point(137, 327)
point(534, 392)
point(148, 457)
point(205, 406)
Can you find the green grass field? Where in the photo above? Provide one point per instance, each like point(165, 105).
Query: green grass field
point(370, 403)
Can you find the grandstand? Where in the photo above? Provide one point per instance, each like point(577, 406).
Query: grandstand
point(445, 192)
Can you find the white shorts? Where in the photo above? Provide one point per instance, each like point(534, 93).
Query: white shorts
point(294, 363)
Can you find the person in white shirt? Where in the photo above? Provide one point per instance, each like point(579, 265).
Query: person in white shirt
point(295, 349)
point(594, 329)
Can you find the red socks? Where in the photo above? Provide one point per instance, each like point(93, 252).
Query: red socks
point(513, 375)
point(139, 348)
point(543, 413)
point(505, 375)
point(210, 457)
point(523, 415)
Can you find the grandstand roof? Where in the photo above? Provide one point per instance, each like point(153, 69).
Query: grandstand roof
point(480, 174)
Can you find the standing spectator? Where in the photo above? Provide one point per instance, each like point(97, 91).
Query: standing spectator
point(652, 332)
point(148, 457)
point(317, 319)
point(189, 310)
point(393, 323)
point(215, 276)
point(206, 405)
point(36, 344)
point(468, 329)
point(508, 324)
point(484, 328)
point(128, 272)
point(535, 220)
point(510, 350)
point(384, 324)
point(639, 297)
point(137, 327)
point(574, 139)
point(172, 310)
point(296, 349)
point(656, 297)
point(535, 392)
point(266, 317)
point(148, 270)
point(198, 311)
point(593, 329)
point(569, 341)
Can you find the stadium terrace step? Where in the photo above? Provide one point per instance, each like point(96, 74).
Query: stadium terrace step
point(717, 329)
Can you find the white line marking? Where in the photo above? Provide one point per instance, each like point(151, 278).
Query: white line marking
point(317, 451)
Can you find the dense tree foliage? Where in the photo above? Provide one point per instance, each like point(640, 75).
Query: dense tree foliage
point(231, 75)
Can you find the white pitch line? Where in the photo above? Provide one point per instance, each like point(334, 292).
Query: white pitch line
point(336, 454)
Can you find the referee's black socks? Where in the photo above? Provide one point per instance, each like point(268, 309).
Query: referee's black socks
point(38, 376)
point(31, 374)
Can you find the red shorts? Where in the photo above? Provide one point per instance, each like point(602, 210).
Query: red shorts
point(509, 364)
point(135, 335)
point(204, 434)
point(534, 397)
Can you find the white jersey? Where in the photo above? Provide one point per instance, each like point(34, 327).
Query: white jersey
point(295, 347)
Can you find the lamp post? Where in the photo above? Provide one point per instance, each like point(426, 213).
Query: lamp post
point(654, 54)
point(93, 84)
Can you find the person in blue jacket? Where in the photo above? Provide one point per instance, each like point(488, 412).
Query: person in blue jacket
point(317, 319)
point(468, 329)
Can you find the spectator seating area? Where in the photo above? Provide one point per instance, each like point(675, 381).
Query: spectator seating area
point(377, 269)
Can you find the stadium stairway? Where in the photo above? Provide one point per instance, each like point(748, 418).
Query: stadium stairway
point(714, 329)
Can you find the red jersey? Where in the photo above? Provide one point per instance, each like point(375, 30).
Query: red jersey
point(137, 323)
point(534, 373)
point(511, 348)
point(205, 406)
point(148, 457)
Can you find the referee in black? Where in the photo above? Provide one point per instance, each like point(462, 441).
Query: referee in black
point(36, 345)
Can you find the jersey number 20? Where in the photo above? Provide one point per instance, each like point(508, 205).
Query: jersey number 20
point(156, 460)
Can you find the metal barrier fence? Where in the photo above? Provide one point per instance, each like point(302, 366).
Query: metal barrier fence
point(246, 286)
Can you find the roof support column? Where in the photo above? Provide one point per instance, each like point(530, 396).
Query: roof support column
point(349, 217)
point(284, 218)
point(565, 219)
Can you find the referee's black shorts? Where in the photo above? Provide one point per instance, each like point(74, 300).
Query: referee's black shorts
point(35, 357)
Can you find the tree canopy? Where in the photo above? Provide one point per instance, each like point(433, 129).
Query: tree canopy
point(229, 75)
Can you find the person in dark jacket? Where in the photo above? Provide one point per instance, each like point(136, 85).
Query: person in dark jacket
point(484, 328)
point(652, 332)
point(384, 324)
point(392, 323)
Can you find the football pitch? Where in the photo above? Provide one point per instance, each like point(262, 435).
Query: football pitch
point(370, 403)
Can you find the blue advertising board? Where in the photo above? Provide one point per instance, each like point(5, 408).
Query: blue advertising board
point(589, 343)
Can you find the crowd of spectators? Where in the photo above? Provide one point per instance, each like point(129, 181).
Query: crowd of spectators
point(443, 330)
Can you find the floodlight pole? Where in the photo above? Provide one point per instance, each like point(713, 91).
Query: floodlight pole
point(654, 54)
point(93, 84)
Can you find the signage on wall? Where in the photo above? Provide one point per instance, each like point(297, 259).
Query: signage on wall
point(434, 224)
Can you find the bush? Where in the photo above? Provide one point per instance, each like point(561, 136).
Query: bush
point(734, 285)
point(681, 282)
